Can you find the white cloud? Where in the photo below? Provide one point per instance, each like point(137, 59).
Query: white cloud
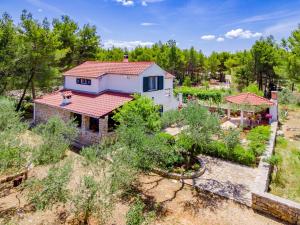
point(40, 10)
point(126, 44)
point(142, 2)
point(220, 39)
point(126, 2)
point(208, 37)
point(283, 28)
point(145, 2)
point(147, 24)
point(240, 33)
point(46, 6)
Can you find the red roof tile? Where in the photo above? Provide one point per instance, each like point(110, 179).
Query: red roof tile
point(249, 99)
point(95, 69)
point(87, 104)
point(169, 76)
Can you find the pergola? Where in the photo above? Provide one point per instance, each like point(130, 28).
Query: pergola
point(247, 102)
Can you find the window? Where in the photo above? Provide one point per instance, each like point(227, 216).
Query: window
point(94, 124)
point(83, 81)
point(153, 83)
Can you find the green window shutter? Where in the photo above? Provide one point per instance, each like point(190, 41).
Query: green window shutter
point(145, 84)
point(160, 83)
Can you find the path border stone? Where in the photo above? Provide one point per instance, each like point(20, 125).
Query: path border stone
point(177, 176)
point(265, 202)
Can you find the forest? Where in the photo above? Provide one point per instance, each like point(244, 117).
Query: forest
point(34, 54)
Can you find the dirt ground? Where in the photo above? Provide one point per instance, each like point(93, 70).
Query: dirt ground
point(178, 205)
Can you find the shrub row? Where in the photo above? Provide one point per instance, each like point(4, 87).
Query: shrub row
point(258, 138)
point(202, 94)
point(237, 154)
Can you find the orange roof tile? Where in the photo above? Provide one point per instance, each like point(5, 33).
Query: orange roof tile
point(87, 104)
point(169, 76)
point(248, 98)
point(94, 69)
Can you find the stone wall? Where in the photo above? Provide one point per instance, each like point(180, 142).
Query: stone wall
point(268, 203)
point(44, 112)
point(85, 137)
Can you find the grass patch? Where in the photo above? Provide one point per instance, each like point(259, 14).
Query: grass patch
point(286, 180)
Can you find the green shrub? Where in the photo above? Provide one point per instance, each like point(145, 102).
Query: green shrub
point(141, 107)
point(286, 97)
point(274, 160)
point(201, 94)
point(135, 215)
point(258, 138)
point(171, 117)
point(238, 154)
point(231, 138)
point(50, 190)
point(167, 138)
point(57, 136)
point(253, 88)
point(187, 82)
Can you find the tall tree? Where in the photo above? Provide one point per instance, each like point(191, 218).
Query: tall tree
point(8, 50)
point(88, 43)
point(66, 30)
point(38, 56)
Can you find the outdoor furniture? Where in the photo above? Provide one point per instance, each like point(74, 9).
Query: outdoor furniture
point(247, 102)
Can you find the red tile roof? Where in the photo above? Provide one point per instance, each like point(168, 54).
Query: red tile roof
point(169, 76)
point(87, 104)
point(94, 69)
point(249, 99)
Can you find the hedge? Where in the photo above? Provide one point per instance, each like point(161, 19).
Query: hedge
point(202, 94)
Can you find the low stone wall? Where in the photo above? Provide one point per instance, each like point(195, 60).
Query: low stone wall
point(268, 203)
point(177, 176)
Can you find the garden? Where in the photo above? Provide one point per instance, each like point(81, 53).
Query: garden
point(285, 180)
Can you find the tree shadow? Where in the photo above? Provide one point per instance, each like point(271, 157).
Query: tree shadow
point(203, 199)
point(227, 189)
point(174, 194)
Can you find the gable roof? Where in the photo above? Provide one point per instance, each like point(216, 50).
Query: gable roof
point(169, 76)
point(87, 104)
point(94, 69)
point(249, 99)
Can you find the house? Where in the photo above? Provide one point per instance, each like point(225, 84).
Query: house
point(93, 90)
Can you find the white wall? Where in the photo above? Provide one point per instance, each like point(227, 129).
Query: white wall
point(160, 97)
point(70, 83)
point(122, 83)
point(129, 84)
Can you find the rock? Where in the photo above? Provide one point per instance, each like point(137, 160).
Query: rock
point(280, 133)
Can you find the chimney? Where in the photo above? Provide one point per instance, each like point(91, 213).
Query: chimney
point(66, 95)
point(125, 59)
point(274, 95)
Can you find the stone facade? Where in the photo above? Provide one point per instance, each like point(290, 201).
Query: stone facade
point(42, 113)
point(86, 136)
point(268, 203)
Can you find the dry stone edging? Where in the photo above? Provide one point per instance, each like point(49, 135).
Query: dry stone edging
point(268, 203)
point(176, 176)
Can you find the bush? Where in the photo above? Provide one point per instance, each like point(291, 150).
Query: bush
point(57, 136)
point(166, 138)
point(50, 190)
point(171, 117)
point(253, 88)
point(201, 94)
point(258, 138)
point(237, 154)
point(141, 107)
point(93, 199)
point(12, 152)
point(135, 214)
point(187, 82)
point(286, 97)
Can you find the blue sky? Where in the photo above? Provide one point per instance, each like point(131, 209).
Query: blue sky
point(210, 25)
